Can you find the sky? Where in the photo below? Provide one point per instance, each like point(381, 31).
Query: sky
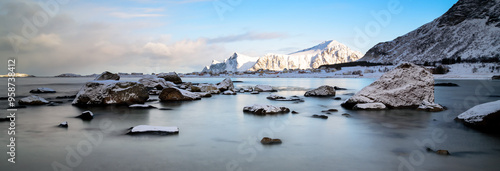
point(51, 37)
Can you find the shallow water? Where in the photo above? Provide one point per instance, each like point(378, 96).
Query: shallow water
point(216, 135)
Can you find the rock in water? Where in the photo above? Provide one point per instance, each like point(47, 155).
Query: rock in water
point(269, 141)
point(210, 88)
point(63, 124)
point(155, 82)
point(175, 94)
point(86, 115)
point(107, 76)
point(324, 90)
point(264, 88)
point(111, 92)
point(33, 100)
point(320, 116)
point(141, 129)
point(431, 107)
point(495, 77)
point(229, 92)
point(226, 84)
point(171, 76)
point(43, 90)
point(406, 86)
point(485, 117)
point(369, 106)
point(265, 109)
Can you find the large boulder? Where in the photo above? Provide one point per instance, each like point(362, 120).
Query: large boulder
point(171, 76)
point(226, 84)
point(43, 90)
point(264, 88)
point(485, 117)
point(210, 88)
point(155, 82)
point(406, 86)
point(324, 90)
point(175, 94)
point(111, 92)
point(33, 100)
point(106, 75)
point(265, 109)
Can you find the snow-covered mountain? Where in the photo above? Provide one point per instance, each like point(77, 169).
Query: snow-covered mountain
point(469, 29)
point(237, 62)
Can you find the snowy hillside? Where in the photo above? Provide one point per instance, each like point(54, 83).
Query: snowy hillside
point(237, 62)
point(469, 29)
point(328, 52)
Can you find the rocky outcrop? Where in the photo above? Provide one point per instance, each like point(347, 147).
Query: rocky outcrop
point(324, 90)
point(264, 88)
point(226, 84)
point(33, 100)
point(485, 117)
point(106, 75)
point(171, 76)
point(406, 86)
point(111, 92)
point(175, 94)
point(155, 82)
point(43, 90)
point(265, 109)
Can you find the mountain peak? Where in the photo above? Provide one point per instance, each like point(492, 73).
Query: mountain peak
point(320, 47)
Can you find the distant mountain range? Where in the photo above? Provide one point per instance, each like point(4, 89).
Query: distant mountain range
point(469, 29)
point(328, 52)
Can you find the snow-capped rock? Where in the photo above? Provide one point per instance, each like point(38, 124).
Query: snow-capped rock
point(264, 88)
point(431, 107)
point(171, 76)
point(111, 92)
point(32, 100)
point(259, 109)
point(211, 88)
point(153, 129)
point(328, 52)
point(63, 124)
point(152, 81)
point(406, 86)
point(175, 94)
point(324, 90)
point(275, 97)
point(469, 29)
point(485, 116)
point(43, 90)
point(106, 75)
point(86, 115)
point(237, 62)
point(226, 84)
point(229, 92)
point(369, 106)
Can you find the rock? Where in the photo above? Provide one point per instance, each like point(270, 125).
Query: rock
point(211, 88)
point(338, 88)
point(111, 92)
point(324, 90)
point(43, 90)
point(446, 84)
point(226, 84)
point(63, 124)
point(175, 94)
point(294, 112)
point(141, 106)
point(275, 97)
point(254, 92)
point(229, 92)
point(148, 129)
point(195, 88)
point(281, 98)
point(186, 85)
point(346, 115)
point(171, 76)
point(265, 109)
point(33, 100)
point(152, 81)
point(320, 116)
point(86, 115)
point(241, 91)
point(337, 98)
point(333, 110)
point(442, 152)
point(369, 106)
point(248, 89)
point(264, 88)
point(495, 77)
point(204, 94)
point(406, 86)
point(270, 141)
point(484, 117)
point(431, 107)
point(107, 76)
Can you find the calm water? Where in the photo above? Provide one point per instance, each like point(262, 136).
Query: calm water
point(216, 135)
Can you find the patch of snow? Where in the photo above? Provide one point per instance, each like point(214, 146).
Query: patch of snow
point(149, 128)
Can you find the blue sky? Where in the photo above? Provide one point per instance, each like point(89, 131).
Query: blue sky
point(184, 35)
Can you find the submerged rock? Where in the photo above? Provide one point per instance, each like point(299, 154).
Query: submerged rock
point(142, 106)
point(106, 75)
point(43, 90)
point(265, 109)
point(346, 115)
point(264, 88)
point(32, 100)
point(86, 115)
point(324, 90)
point(171, 76)
point(175, 94)
point(148, 129)
point(406, 86)
point(111, 92)
point(270, 141)
point(320, 116)
point(485, 117)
